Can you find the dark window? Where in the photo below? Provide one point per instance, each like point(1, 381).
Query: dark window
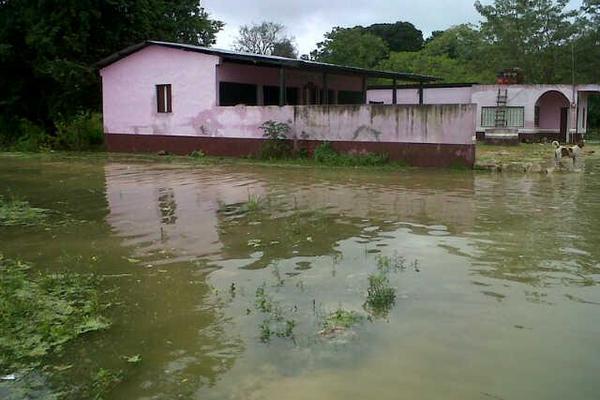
point(536, 117)
point(350, 97)
point(163, 99)
point(330, 96)
point(292, 96)
point(271, 95)
point(232, 94)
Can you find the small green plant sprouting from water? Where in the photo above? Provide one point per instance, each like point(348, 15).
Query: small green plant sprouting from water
point(40, 313)
point(254, 203)
point(387, 264)
point(264, 303)
point(381, 297)
point(341, 319)
point(18, 212)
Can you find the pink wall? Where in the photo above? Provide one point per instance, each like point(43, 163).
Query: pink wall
point(129, 105)
point(455, 95)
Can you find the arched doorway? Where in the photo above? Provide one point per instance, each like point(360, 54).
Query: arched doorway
point(552, 115)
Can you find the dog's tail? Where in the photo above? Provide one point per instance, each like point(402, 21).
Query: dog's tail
point(556, 144)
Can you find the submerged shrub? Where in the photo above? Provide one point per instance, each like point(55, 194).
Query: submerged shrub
point(276, 145)
point(18, 212)
point(82, 132)
point(341, 319)
point(326, 154)
point(39, 313)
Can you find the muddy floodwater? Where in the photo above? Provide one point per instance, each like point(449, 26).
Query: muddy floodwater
point(224, 278)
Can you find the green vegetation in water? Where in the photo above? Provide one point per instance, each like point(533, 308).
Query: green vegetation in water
point(341, 319)
point(275, 324)
point(326, 154)
point(254, 203)
point(197, 154)
point(40, 313)
point(19, 212)
point(102, 383)
point(381, 297)
point(387, 264)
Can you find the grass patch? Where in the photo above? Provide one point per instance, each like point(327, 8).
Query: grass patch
point(387, 264)
point(326, 154)
point(40, 313)
point(15, 212)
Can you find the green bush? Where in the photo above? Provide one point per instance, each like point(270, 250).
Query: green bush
point(326, 154)
point(31, 138)
point(277, 145)
point(82, 132)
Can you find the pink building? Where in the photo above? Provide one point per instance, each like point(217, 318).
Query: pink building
point(180, 98)
point(557, 112)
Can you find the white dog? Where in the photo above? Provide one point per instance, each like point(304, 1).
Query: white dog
point(574, 152)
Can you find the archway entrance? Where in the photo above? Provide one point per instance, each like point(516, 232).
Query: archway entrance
point(552, 115)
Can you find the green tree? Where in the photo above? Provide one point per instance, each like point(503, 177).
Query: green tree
point(350, 46)
point(399, 36)
point(530, 34)
point(587, 44)
point(48, 49)
point(285, 48)
point(442, 66)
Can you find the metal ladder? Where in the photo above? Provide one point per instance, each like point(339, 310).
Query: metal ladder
point(501, 110)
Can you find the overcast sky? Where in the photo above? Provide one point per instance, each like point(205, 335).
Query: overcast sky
point(308, 20)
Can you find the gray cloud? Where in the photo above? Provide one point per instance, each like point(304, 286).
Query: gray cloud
point(308, 20)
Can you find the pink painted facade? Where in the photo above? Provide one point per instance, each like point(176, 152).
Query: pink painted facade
point(130, 104)
point(537, 109)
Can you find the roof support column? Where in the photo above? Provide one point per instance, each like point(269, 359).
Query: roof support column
point(325, 99)
point(420, 93)
point(395, 92)
point(364, 89)
point(282, 87)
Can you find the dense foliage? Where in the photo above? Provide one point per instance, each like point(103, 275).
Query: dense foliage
point(48, 49)
point(40, 313)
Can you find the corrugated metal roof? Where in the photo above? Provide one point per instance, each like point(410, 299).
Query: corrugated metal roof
point(270, 61)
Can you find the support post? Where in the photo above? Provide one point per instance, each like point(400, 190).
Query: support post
point(420, 93)
point(364, 89)
point(282, 88)
point(394, 93)
point(325, 99)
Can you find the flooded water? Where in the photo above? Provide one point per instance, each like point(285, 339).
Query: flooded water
point(225, 274)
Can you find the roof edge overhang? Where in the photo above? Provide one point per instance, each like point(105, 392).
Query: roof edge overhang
point(268, 61)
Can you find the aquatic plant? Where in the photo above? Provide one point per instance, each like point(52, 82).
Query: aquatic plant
point(387, 264)
point(341, 318)
point(254, 203)
point(40, 313)
point(263, 302)
point(19, 212)
point(381, 297)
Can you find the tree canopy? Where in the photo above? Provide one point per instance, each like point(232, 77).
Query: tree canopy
point(349, 46)
point(268, 38)
point(48, 48)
